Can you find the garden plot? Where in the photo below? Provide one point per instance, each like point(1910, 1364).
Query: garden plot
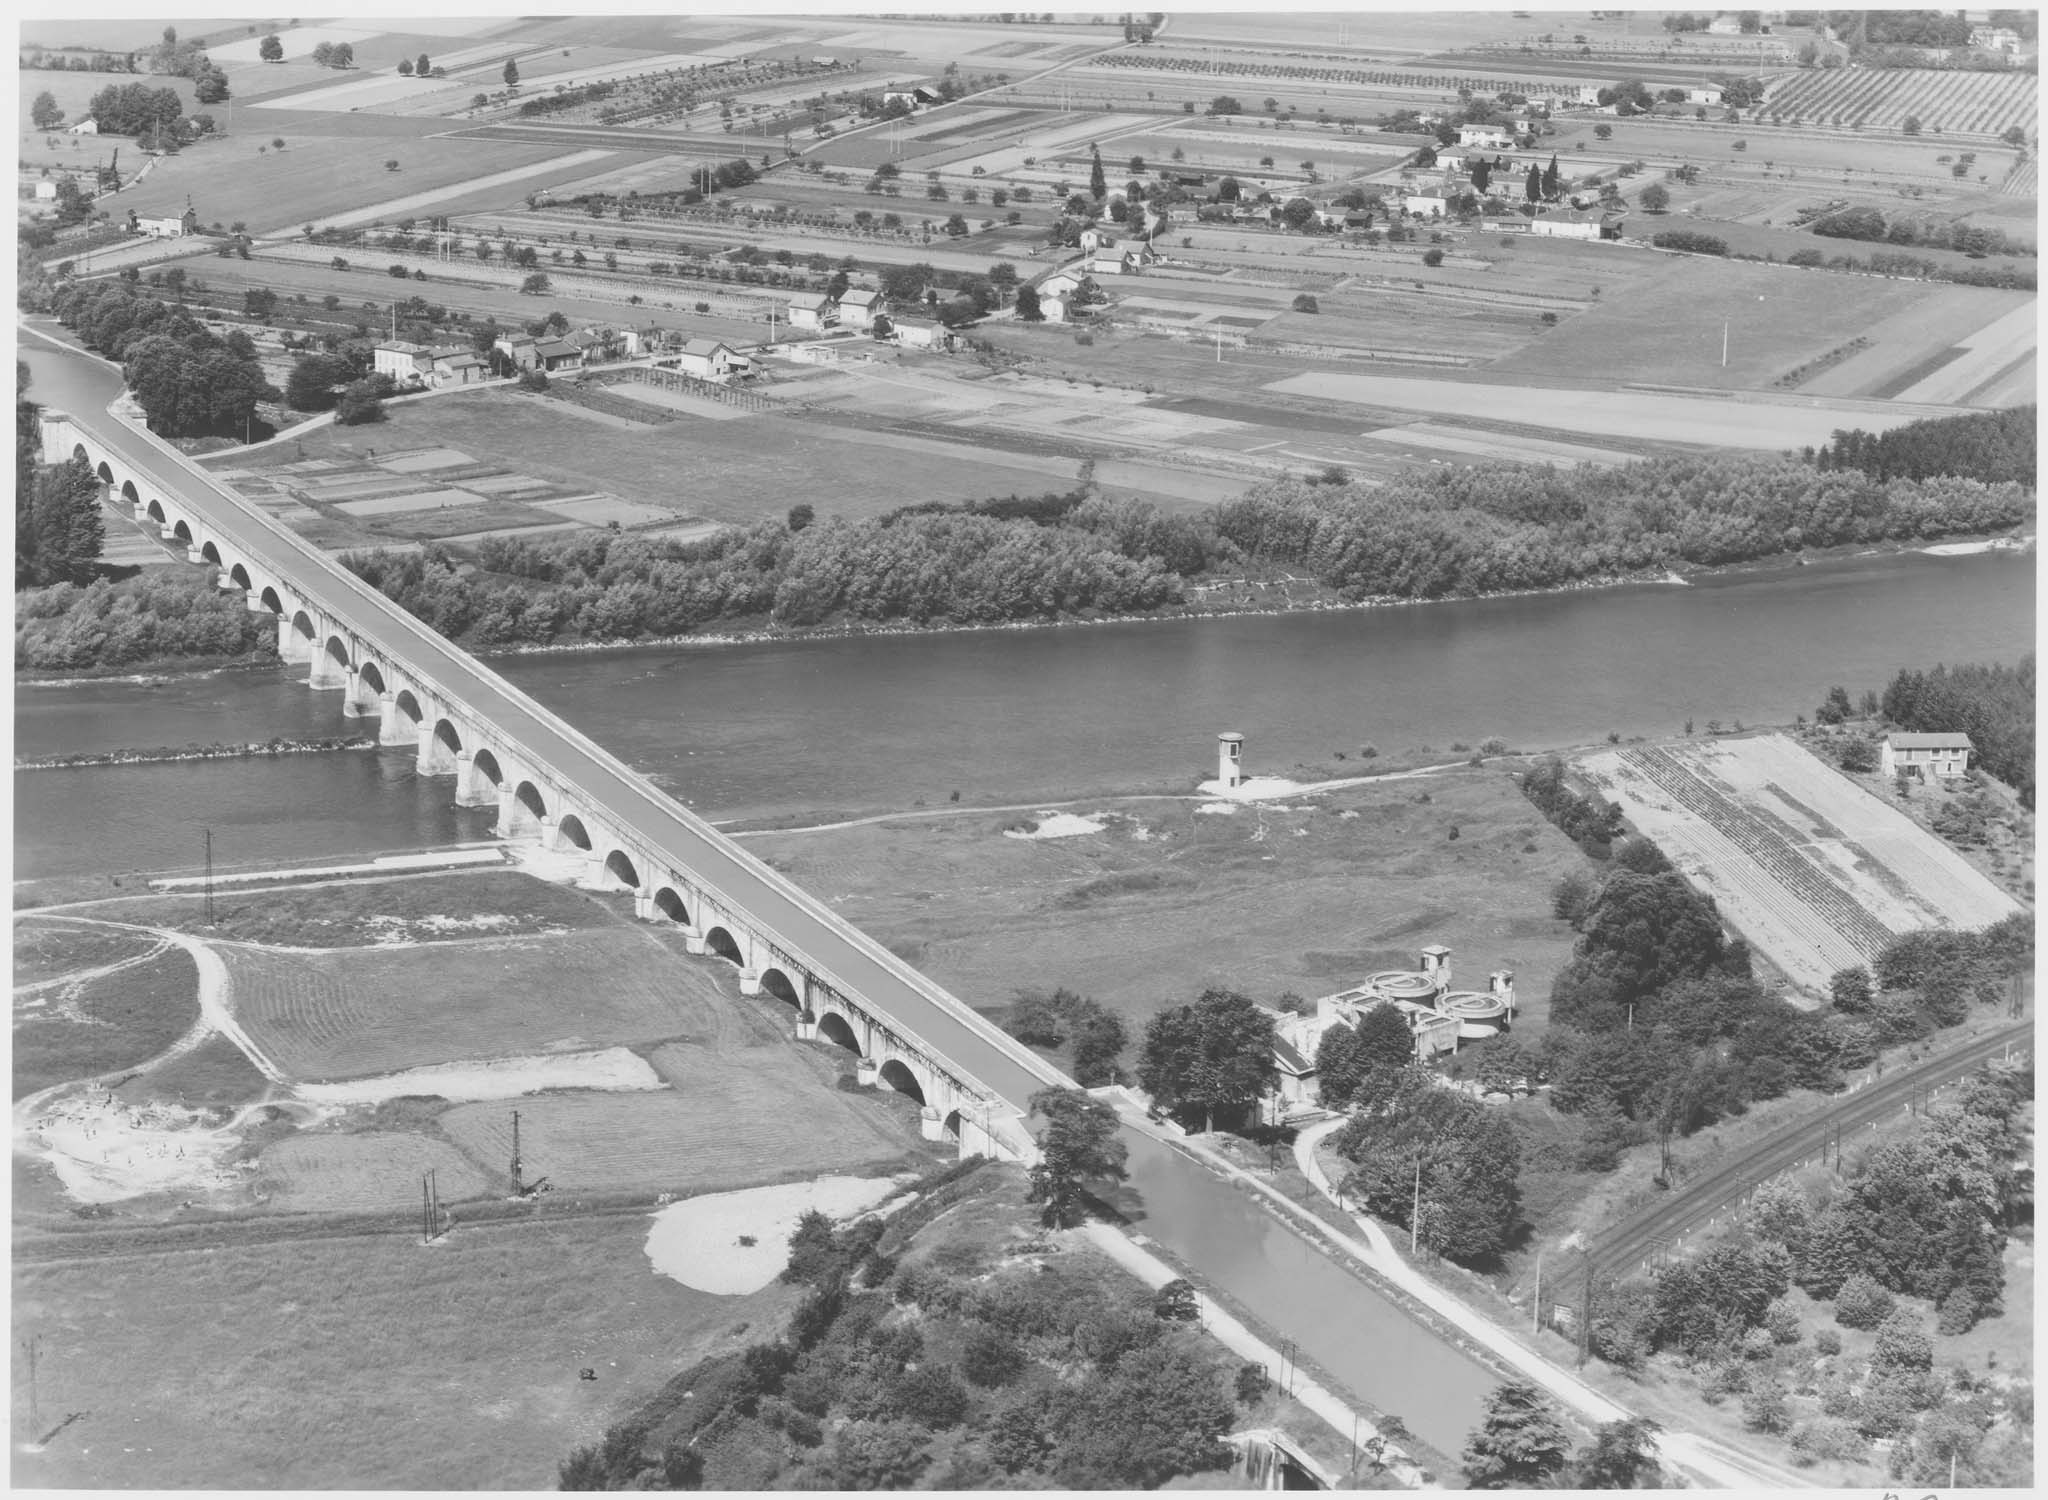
point(1980, 358)
point(425, 459)
point(1494, 446)
point(1923, 327)
point(1814, 871)
point(356, 1012)
point(393, 505)
point(604, 510)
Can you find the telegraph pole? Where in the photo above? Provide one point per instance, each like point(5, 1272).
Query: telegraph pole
point(209, 877)
point(1415, 1206)
point(1536, 1303)
point(33, 1348)
point(517, 1190)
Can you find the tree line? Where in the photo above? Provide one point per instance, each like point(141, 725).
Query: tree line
point(1993, 446)
point(154, 616)
point(911, 1364)
point(59, 530)
point(188, 380)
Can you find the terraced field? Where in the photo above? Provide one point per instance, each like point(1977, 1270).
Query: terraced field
point(1815, 872)
point(1946, 103)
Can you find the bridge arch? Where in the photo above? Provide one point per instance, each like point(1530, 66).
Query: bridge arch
point(669, 902)
point(722, 944)
point(835, 1028)
point(210, 552)
point(446, 736)
point(528, 796)
point(302, 627)
point(105, 471)
point(269, 600)
point(485, 767)
point(78, 452)
point(571, 834)
point(405, 702)
point(950, 1130)
point(372, 678)
point(182, 531)
point(782, 987)
point(619, 865)
point(156, 507)
point(239, 576)
point(899, 1075)
point(337, 652)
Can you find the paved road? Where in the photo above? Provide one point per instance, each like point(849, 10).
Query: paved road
point(831, 948)
point(1622, 1249)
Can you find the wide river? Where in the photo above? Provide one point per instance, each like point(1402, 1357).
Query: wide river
point(880, 723)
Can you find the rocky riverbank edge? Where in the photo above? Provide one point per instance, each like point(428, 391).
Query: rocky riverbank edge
point(165, 753)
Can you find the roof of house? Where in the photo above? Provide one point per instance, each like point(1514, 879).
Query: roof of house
point(925, 324)
point(1289, 1056)
point(555, 348)
point(859, 297)
point(706, 347)
point(1929, 741)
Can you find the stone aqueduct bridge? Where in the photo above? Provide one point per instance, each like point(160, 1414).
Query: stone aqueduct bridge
point(551, 783)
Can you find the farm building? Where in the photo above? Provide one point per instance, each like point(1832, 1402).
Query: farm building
point(169, 227)
point(1703, 96)
point(519, 349)
point(558, 354)
point(407, 364)
point(917, 96)
point(1490, 137)
point(708, 359)
point(1428, 205)
point(1056, 308)
point(46, 191)
point(86, 126)
point(813, 314)
point(923, 333)
point(859, 308)
point(1995, 38)
point(1059, 284)
point(456, 366)
point(1944, 755)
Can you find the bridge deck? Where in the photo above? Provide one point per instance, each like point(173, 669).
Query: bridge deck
point(831, 947)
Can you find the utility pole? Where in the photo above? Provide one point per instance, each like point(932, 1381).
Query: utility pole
point(32, 1346)
point(209, 877)
point(1415, 1206)
point(1724, 343)
point(1536, 1303)
point(518, 1190)
point(1586, 1316)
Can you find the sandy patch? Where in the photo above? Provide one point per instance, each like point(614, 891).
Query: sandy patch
point(103, 1150)
point(1252, 789)
point(697, 1242)
point(613, 1068)
point(1055, 826)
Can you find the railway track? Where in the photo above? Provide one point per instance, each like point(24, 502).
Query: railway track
point(1631, 1243)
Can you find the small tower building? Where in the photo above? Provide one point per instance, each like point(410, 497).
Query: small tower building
point(1230, 760)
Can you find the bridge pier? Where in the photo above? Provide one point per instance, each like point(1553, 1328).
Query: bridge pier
point(393, 727)
point(750, 981)
point(435, 758)
point(326, 673)
point(931, 1123)
point(807, 1027)
point(291, 646)
point(867, 1073)
point(471, 790)
point(359, 700)
point(194, 554)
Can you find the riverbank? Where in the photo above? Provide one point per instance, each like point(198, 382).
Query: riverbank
point(196, 752)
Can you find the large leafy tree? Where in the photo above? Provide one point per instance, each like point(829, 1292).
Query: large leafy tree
point(1465, 1158)
point(1519, 1444)
point(1079, 1142)
point(1216, 1054)
point(1623, 1456)
point(1162, 1412)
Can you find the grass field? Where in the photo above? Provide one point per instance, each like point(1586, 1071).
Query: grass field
point(731, 1120)
point(349, 913)
point(361, 1363)
point(325, 1172)
point(216, 1072)
point(1266, 900)
point(101, 1021)
point(49, 950)
point(318, 176)
point(369, 1011)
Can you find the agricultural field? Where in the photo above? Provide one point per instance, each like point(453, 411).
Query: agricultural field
point(289, 1353)
point(1817, 873)
point(357, 1012)
point(1166, 901)
point(1947, 103)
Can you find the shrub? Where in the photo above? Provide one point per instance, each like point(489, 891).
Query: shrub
point(1862, 1303)
point(991, 1359)
point(1689, 240)
point(1827, 1341)
point(1764, 1409)
point(930, 1396)
point(1824, 1439)
point(1304, 303)
point(1432, 257)
point(1901, 1345)
point(1782, 1322)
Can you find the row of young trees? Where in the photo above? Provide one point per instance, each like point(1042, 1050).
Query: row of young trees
point(188, 380)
